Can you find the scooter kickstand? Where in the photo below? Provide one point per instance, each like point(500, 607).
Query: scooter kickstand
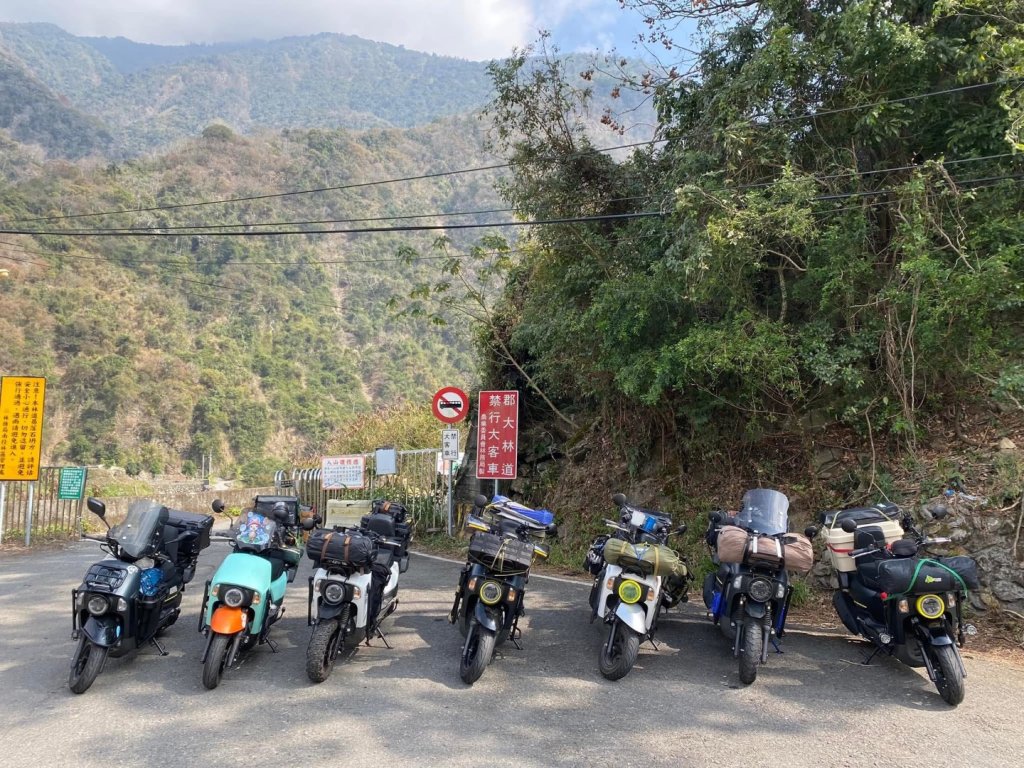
point(874, 653)
point(159, 647)
point(775, 643)
point(654, 645)
point(514, 636)
point(378, 633)
point(272, 644)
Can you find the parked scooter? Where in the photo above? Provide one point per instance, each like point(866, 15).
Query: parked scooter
point(126, 600)
point(245, 597)
point(355, 584)
point(893, 593)
point(637, 578)
point(748, 595)
point(489, 599)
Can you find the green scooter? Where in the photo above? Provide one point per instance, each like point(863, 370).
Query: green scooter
point(246, 594)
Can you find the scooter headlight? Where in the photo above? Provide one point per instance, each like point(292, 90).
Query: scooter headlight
point(760, 590)
point(233, 597)
point(97, 605)
point(930, 606)
point(334, 593)
point(490, 593)
point(630, 592)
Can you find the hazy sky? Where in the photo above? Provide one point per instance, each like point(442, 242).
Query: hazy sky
point(472, 29)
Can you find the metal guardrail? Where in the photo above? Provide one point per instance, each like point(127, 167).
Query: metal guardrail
point(420, 484)
point(34, 509)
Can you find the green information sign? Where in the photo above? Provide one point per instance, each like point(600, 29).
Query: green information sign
point(72, 483)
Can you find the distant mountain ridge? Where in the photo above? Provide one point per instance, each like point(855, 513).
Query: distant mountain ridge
point(150, 95)
point(133, 98)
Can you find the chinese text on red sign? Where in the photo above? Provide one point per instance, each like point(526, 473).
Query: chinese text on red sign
point(498, 435)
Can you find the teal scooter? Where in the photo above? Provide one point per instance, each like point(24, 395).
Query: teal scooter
point(246, 594)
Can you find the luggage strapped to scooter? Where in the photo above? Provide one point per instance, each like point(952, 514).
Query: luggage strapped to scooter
point(350, 549)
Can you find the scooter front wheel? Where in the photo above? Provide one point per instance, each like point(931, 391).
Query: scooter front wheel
point(750, 652)
point(949, 675)
point(619, 651)
point(216, 660)
point(85, 665)
point(322, 649)
point(476, 653)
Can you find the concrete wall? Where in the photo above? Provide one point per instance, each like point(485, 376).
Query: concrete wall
point(189, 501)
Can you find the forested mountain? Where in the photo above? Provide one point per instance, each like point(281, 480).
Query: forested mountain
point(149, 95)
point(32, 113)
point(254, 349)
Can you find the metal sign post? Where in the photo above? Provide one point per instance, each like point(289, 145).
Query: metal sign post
point(28, 516)
point(450, 454)
point(3, 505)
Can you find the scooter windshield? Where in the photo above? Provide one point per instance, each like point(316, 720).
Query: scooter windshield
point(765, 511)
point(134, 535)
point(255, 532)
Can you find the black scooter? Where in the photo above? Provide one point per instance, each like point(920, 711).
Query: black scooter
point(906, 602)
point(489, 599)
point(126, 600)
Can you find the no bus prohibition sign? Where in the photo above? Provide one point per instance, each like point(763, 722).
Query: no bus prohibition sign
point(450, 405)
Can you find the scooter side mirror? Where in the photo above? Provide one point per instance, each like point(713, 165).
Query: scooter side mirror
point(97, 507)
point(619, 499)
point(811, 531)
point(480, 500)
point(715, 517)
point(938, 511)
point(681, 529)
point(218, 506)
point(849, 526)
point(551, 530)
point(308, 523)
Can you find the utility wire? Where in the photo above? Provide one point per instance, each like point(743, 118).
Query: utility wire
point(193, 228)
point(309, 222)
point(497, 166)
point(355, 231)
point(318, 190)
point(883, 102)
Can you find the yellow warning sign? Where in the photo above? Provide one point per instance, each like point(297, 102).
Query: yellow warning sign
point(21, 426)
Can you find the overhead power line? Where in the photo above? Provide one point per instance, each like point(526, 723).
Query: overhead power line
point(317, 190)
point(355, 231)
point(884, 102)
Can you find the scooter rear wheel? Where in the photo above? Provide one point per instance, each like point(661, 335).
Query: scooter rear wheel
point(216, 660)
point(476, 654)
point(85, 665)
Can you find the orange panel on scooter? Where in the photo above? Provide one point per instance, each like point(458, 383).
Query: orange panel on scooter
point(227, 621)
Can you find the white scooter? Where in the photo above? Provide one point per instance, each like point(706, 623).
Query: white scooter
point(344, 607)
point(629, 590)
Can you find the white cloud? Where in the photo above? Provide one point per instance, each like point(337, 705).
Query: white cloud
point(472, 29)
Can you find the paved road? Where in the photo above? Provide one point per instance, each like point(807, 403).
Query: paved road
point(546, 705)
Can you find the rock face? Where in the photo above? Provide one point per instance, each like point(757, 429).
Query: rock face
point(988, 536)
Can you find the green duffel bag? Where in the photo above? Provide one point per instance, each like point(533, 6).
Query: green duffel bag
point(648, 559)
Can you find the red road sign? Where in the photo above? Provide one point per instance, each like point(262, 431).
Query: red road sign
point(450, 405)
point(497, 444)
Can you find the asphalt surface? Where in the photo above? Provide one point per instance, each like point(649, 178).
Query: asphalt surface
point(546, 705)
